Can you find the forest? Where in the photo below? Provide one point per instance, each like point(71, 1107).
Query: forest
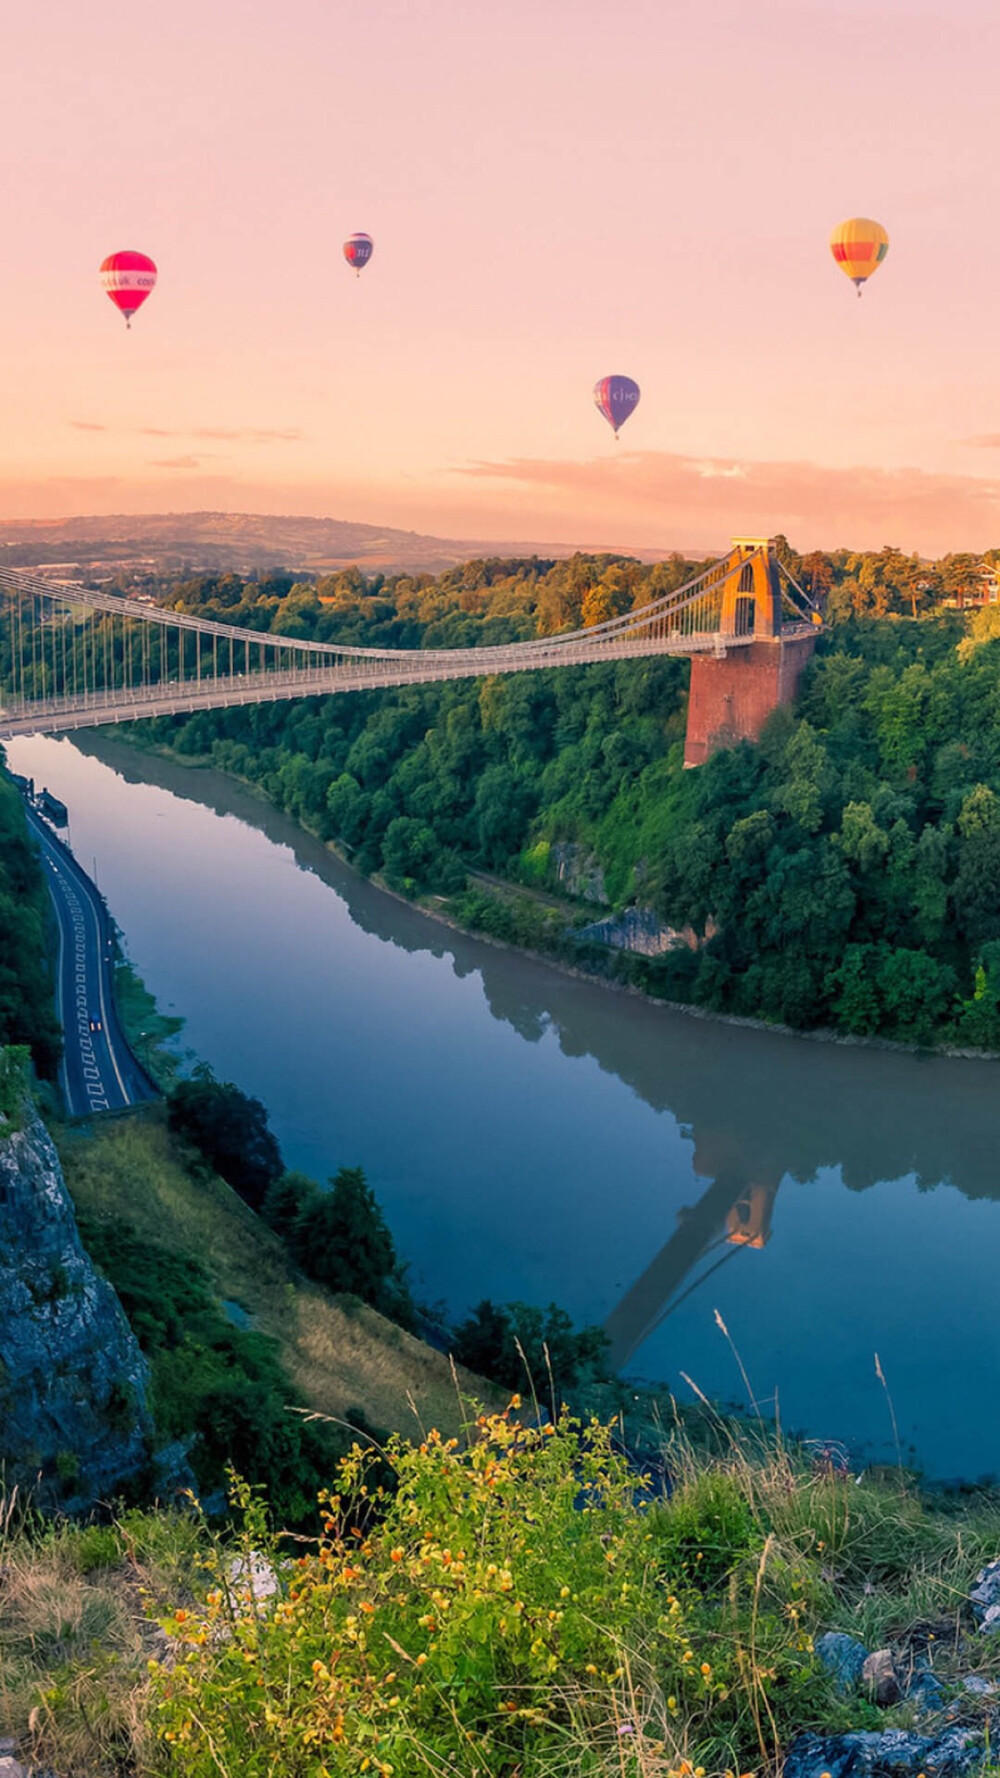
point(840, 873)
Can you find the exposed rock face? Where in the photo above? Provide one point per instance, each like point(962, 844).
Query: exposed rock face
point(74, 1424)
point(578, 872)
point(639, 930)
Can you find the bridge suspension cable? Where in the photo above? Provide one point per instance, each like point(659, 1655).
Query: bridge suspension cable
point(75, 656)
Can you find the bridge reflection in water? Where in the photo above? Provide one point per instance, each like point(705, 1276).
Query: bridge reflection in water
point(729, 1216)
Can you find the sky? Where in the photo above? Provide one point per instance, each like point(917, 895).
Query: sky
point(558, 190)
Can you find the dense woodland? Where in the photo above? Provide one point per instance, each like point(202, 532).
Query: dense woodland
point(842, 872)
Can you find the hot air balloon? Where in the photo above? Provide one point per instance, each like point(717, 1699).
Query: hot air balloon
point(128, 279)
point(616, 397)
point(358, 249)
point(859, 247)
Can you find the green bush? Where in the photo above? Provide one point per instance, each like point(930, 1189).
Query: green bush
point(510, 1609)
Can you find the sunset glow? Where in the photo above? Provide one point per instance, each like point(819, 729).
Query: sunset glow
point(556, 192)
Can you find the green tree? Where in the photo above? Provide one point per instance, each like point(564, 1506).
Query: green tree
point(231, 1130)
point(343, 1241)
point(520, 1346)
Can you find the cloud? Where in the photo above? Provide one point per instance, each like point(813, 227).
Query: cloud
point(986, 441)
point(227, 434)
point(186, 462)
point(658, 495)
point(87, 426)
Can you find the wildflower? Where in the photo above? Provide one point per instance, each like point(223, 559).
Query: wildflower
point(626, 1728)
point(396, 1555)
point(706, 1669)
point(671, 1703)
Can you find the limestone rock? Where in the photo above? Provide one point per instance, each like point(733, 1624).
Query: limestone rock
point(843, 1657)
point(985, 1597)
point(926, 1691)
point(74, 1423)
point(880, 1677)
point(578, 872)
point(895, 1753)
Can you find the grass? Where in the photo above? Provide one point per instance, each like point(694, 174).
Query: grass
point(76, 1634)
point(515, 1604)
point(339, 1353)
point(150, 1033)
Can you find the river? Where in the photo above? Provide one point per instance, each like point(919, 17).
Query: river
point(535, 1136)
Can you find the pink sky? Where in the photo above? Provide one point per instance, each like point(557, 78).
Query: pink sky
point(557, 189)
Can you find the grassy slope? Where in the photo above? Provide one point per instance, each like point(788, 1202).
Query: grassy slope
point(341, 1354)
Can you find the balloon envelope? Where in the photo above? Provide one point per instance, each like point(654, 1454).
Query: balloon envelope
point(616, 398)
point(128, 279)
point(358, 249)
point(859, 247)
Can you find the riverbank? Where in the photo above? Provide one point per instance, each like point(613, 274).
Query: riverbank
point(619, 971)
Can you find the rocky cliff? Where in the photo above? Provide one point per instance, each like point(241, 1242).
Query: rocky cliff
point(74, 1423)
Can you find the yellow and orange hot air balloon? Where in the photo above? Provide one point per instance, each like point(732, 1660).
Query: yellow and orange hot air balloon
point(859, 247)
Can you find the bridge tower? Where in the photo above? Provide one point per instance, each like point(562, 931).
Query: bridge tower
point(734, 691)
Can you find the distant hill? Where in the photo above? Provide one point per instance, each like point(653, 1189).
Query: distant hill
point(244, 542)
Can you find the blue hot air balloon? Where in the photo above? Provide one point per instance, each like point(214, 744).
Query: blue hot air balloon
point(358, 249)
point(616, 397)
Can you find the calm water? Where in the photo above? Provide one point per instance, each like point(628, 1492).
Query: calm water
point(534, 1136)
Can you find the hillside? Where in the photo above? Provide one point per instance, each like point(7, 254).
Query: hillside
point(341, 1355)
point(244, 542)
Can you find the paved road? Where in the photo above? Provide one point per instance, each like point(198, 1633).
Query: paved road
point(99, 1071)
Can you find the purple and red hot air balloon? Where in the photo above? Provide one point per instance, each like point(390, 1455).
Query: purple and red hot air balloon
point(358, 249)
point(616, 398)
point(128, 279)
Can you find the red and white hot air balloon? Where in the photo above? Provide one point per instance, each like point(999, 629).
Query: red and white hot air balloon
point(128, 279)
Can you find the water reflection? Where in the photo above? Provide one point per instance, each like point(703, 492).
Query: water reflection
point(641, 1183)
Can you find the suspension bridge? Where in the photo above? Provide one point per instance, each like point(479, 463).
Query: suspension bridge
point(79, 657)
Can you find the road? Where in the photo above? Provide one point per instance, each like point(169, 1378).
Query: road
point(99, 1071)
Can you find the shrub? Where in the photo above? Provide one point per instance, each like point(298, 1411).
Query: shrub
point(510, 1609)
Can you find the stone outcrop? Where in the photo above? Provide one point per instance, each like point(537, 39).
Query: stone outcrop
point(74, 1422)
point(578, 872)
point(641, 931)
point(895, 1753)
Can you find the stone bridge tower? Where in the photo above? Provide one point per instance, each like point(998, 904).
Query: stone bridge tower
point(734, 692)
